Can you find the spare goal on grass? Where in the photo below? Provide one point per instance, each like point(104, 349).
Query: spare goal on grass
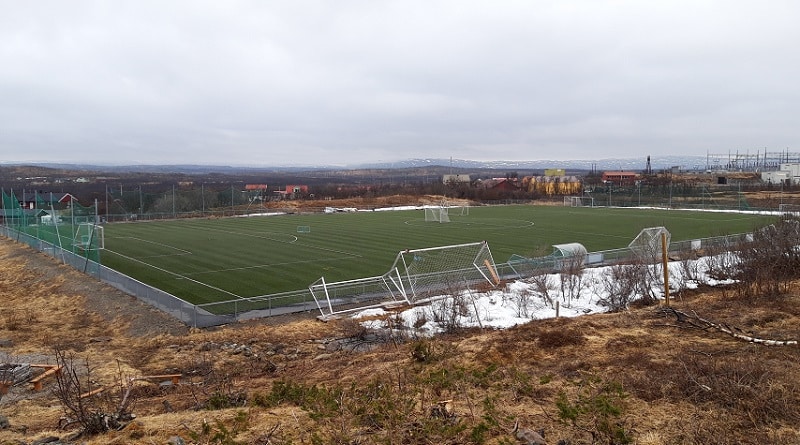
point(415, 275)
point(437, 214)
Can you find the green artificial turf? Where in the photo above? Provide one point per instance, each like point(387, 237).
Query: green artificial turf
point(209, 260)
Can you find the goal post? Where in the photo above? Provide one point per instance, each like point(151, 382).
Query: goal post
point(417, 274)
point(578, 201)
point(437, 214)
point(647, 246)
point(431, 271)
point(341, 297)
point(89, 236)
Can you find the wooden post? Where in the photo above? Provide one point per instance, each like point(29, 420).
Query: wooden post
point(493, 272)
point(558, 306)
point(665, 266)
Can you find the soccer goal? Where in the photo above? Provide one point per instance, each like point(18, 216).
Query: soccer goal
point(303, 229)
point(415, 275)
point(579, 201)
point(436, 270)
point(89, 236)
point(437, 214)
point(647, 246)
point(459, 211)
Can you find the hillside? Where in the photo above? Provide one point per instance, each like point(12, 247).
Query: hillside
point(640, 376)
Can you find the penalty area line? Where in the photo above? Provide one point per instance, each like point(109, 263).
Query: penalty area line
point(177, 275)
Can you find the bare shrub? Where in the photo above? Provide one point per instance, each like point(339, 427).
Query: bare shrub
point(533, 297)
point(742, 384)
point(559, 337)
point(74, 389)
point(690, 270)
point(721, 260)
point(448, 312)
point(623, 284)
point(770, 261)
point(19, 320)
point(543, 288)
point(571, 278)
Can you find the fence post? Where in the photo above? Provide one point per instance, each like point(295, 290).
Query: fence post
point(665, 265)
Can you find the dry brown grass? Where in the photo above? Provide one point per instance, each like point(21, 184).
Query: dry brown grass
point(676, 385)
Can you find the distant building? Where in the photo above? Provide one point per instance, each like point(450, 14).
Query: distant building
point(503, 184)
point(788, 173)
point(296, 189)
point(40, 200)
point(256, 192)
point(620, 177)
point(555, 172)
point(455, 179)
point(292, 191)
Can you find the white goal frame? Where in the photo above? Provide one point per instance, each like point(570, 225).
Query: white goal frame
point(579, 201)
point(89, 236)
point(647, 246)
point(416, 275)
point(438, 214)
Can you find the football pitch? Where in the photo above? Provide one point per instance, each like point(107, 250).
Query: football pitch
point(212, 260)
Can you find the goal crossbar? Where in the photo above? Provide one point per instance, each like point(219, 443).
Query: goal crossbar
point(415, 274)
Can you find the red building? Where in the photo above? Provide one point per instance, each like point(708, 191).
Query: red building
point(620, 177)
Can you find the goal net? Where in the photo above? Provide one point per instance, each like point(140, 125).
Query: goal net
point(646, 247)
point(579, 201)
point(448, 269)
point(459, 211)
point(415, 275)
point(89, 236)
point(437, 214)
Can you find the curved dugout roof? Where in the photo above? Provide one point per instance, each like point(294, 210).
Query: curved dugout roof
point(568, 250)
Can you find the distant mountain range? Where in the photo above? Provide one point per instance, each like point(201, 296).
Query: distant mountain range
point(633, 164)
point(656, 163)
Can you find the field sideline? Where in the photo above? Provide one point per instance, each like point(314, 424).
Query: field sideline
point(210, 260)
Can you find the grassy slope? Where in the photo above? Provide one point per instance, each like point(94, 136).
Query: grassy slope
point(668, 384)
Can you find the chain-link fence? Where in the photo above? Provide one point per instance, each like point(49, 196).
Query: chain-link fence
point(224, 312)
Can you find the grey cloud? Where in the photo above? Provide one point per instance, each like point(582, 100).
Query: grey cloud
point(353, 81)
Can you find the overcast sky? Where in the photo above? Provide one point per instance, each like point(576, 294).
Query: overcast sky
point(341, 82)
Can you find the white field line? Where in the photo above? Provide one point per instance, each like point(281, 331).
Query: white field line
point(182, 251)
point(264, 266)
point(179, 276)
point(230, 232)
